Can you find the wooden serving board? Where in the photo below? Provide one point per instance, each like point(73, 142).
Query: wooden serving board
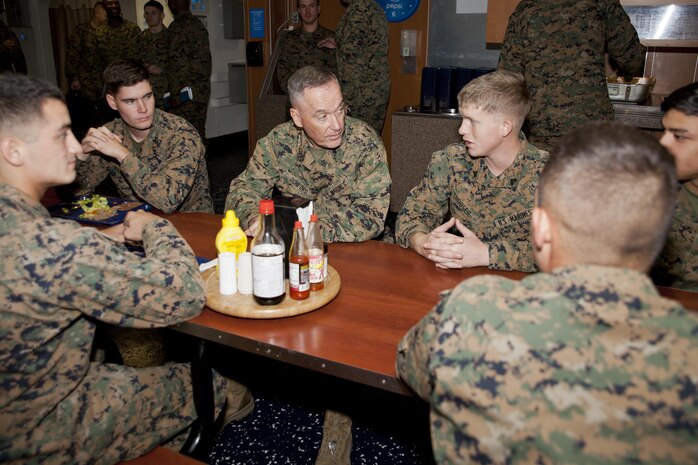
point(244, 306)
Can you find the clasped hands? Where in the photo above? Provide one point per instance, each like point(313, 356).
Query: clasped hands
point(450, 251)
point(104, 141)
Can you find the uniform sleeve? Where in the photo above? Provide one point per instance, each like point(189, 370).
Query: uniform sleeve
point(511, 255)
point(622, 43)
point(427, 203)
point(362, 216)
point(168, 186)
point(368, 33)
point(511, 57)
point(107, 282)
point(415, 351)
point(283, 71)
point(90, 173)
point(253, 184)
point(189, 62)
point(72, 58)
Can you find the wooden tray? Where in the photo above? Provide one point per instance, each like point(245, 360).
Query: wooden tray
point(244, 306)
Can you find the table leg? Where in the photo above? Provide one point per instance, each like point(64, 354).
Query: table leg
point(203, 434)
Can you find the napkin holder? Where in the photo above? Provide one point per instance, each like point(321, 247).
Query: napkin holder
point(285, 218)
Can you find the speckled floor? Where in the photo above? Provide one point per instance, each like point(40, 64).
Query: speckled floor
point(286, 425)
point(279, 433)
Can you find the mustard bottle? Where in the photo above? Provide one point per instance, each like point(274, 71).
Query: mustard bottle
point(231, 237)
point(231, 241)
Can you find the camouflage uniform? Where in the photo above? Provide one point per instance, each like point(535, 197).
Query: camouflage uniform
point(362, 61)
point(167, 170)
point(349, 186)
point(11, 55)
point(678, 264)
point(584, 365)
point(496, 208)
point(117, 42)
point(298, 48)
point(58, 278)
point(84, 61)
point(189, 64)
point(152, 49)
point(558, 46)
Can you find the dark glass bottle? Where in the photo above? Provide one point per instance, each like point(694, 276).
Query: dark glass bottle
point(268, 259)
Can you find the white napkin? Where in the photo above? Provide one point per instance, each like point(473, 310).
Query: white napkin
point(205, 266)
point(304, 215)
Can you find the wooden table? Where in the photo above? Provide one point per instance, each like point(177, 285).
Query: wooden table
point(385, 290)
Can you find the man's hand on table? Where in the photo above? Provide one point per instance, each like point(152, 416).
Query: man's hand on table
point(447, 250)
point(131, 230)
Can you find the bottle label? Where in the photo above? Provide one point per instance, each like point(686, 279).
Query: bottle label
point(268, 270)
point(298, 277)
point(317, 265)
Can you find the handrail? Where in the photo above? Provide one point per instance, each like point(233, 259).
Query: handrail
point(271, 70)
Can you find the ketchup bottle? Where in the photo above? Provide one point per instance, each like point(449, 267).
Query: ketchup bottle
point(298, 265)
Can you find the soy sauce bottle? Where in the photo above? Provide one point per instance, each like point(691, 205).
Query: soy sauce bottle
point(268, 259)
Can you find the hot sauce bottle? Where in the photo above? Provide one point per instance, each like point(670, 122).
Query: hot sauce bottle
point(316, 255)
point(298, 273)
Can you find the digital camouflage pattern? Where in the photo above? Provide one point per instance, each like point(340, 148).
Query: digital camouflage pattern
point(57, 279)
point(152, 49)
point(559, 46)
point(167, 169)
point(349, 186)
point(84, 60)
point(118, 42)
point(189, 64)
point(298, 48)
point(496, 208)
point(677, 265)
point(585, 365)
point(362, 61)
point(11, 55)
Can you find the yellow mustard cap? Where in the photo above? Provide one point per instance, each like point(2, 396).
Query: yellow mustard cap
point(230, 219)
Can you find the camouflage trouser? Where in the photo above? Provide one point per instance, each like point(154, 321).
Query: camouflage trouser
point(195, 113)
point(116, 413)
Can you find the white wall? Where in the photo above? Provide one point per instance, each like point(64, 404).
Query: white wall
point(223, 117)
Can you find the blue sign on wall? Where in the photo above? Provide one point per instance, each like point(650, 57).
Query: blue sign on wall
point(398, 10)
point(256, 23)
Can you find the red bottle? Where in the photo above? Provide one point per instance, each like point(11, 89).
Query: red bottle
point(298, 265)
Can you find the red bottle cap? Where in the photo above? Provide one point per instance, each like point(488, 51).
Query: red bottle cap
point(313, 217)
point(266, 206)
point(297, 225)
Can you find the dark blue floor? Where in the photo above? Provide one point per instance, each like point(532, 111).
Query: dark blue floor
point(286, 424)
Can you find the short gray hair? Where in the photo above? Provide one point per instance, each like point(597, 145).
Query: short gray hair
point(308, 77)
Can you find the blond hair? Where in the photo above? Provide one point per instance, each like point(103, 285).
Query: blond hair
point(501, 92)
